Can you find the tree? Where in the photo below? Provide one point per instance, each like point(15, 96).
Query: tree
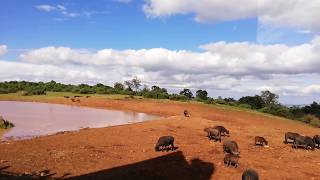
point(269, 98)
point(202, 94)
point(129, 85)
point(136, 83)
point(256, 102)
point(187, 93)
point(118, 86)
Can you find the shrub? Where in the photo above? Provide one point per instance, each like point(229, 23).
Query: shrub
point(247, 106)
point(4, 124)
point(210, 101)
point(177, 97)
point(3, 91)
point(309, 118)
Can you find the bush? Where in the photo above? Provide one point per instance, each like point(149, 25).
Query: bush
point(277, 110)
point(155, 95)
point(3, 91)
point(309, 118)
point(4, 124)
point(315, 123)
point(247, 106)
point(177, 97)
point(210, 101)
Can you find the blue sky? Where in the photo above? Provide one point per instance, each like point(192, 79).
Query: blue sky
point(214, 45)
point(115, 25)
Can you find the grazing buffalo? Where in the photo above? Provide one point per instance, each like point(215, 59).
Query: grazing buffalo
point(290, 136)
point(77, 96)
point(213, 134)
point(164, 142)
point(231, 147)
point(66, 97)
point(231, 160)
point(303, 141)
point(223, 131)
point(250, 174)
point(260, 141)
point(186, 113)
point(316, 140)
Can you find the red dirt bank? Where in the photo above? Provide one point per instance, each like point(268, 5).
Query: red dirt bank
point(92, 150)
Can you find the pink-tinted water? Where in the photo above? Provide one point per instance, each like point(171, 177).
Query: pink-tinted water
point(38, 119)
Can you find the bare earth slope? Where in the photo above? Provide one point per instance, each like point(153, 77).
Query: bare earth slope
point(127, 151)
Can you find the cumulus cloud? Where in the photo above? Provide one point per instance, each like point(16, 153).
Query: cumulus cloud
point(221, 68)
point(220, 58)
point(3, 50)
point(292, 13)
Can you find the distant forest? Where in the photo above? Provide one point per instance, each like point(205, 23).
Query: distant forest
point(266, 102)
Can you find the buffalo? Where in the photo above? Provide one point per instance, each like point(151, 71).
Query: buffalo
point(303, 141)
point(213, 134)
point(290, 136)
point(260, 141)
point(186, 113)
point(250, 174)
point(164, 142)
point(223, 131)
point(231, 147)
point(316, 140)
point(231, 160)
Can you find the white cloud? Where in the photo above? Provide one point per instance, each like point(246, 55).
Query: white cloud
point(3, 50)
point(222, 68)
point(221, 58)
point(46, 8)
point(298, 14)
point(58, 8)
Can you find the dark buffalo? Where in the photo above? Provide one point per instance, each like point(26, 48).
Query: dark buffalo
point(258, 140)
point(250, 174)
point(213, 134)
point(186, 113)
point(66, 97)
point(223, 131)
point(303, 141)
point(164, 142)
point(316, 140)
point(231, 147)
point(231, 160)
point(290, 136)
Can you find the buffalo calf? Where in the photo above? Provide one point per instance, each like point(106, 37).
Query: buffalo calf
point(290, 136)
point(250, 174)
point(231, 147)
point(258, 140)
point(164, 142)
point(231, 160)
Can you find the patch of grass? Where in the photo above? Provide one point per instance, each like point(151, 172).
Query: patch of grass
point(54, 95)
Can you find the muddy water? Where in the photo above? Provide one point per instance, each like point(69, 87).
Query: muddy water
point(38, 119)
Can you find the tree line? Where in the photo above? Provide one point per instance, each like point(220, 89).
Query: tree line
point(266, 102)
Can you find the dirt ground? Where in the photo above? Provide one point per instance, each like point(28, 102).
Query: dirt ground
point(127, 151)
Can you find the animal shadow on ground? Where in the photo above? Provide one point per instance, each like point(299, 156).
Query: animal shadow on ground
point(5, 175)
point(171, 166)
point(46, 175)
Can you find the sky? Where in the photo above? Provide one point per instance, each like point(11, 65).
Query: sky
point(230, 48)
